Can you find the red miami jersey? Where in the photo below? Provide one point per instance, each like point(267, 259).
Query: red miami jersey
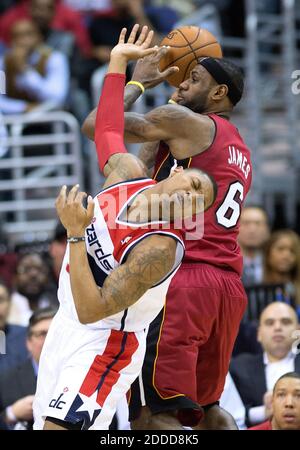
point(228, 161)
point(109, 240)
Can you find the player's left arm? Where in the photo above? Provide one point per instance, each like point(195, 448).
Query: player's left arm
point(148, 263)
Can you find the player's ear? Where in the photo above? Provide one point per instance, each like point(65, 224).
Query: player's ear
point(220, 92)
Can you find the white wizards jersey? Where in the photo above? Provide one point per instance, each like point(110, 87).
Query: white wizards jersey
point(109, 240)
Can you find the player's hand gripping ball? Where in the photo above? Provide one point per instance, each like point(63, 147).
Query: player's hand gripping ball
point(187, 45)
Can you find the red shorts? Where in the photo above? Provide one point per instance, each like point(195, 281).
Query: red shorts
point(189, 345)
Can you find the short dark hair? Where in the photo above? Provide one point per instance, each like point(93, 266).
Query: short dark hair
point(39, 315)
point(287, 375)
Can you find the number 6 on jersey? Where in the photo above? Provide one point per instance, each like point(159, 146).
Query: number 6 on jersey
point(229, 211)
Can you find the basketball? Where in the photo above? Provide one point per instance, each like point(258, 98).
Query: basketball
point(187, 45)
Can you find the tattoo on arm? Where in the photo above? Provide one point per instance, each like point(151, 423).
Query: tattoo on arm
point(163, 123)
point(148, 152)
point(146, 265)
point(131, 94)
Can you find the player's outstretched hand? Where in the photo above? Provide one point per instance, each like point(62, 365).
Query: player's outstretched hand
point(73, 215)
point(147, 69)
point(136, 46)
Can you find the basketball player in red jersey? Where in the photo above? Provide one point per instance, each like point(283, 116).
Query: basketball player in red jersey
point(189, 345)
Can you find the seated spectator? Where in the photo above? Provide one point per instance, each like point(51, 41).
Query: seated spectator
point(253, 234)
point(65, 19)
point(285, 405)
point(17, 386)
point(32, 290)
point(256, 375)
point(34, 73)
point(282, 265)
point(42, 14)
point(15, 336)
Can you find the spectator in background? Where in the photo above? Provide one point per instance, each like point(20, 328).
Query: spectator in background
point(64, 19)
point(253, 234)
point(256, 375)
point(57, 250)
point(285, 404)
point(32, 289)
point(17, 386)
point(282, 265)
point(15, 336)
point(105, 30)
point(42, 14)
point(34, 73)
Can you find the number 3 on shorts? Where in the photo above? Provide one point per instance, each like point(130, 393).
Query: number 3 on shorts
point(229, 211)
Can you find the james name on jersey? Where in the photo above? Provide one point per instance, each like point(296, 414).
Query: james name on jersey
point(239, 159)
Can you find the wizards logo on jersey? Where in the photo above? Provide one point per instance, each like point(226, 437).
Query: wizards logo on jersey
point(100, 255)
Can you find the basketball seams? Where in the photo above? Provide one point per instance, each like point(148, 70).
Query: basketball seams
point(172, 63)
point(198, 43)
point(190, 43)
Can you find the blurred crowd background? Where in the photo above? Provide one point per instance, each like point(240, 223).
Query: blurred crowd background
point(53, 56)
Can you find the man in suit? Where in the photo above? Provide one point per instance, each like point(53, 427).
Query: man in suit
point(13, 350)
point(256, 375)
point(17, 386)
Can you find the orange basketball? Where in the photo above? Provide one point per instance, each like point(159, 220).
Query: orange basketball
point(187, 45)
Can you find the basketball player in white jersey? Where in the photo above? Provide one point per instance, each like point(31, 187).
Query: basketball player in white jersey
point(118, 265)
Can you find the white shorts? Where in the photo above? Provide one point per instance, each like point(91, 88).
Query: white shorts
point(84, 372)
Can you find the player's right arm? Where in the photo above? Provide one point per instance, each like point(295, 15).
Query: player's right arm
point(147, 264)
point(186, 132)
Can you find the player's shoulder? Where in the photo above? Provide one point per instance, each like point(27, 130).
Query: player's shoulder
point(158, 242)
point(175, 112)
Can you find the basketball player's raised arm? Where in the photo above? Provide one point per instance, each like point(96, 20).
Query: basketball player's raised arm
point(147, 264)
point(131, 94)
point(148, 74)
point(170, 123)
point(113, 159)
